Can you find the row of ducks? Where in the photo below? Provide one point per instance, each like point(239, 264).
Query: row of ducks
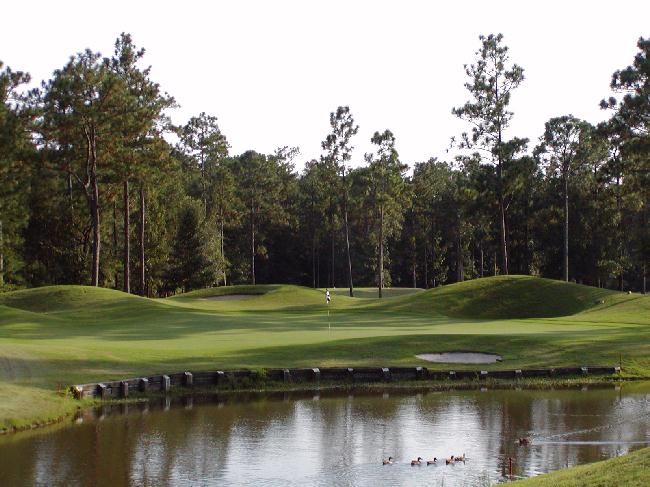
point(421, 461)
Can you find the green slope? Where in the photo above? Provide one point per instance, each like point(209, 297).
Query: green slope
point(508, 297)
point(60, 335)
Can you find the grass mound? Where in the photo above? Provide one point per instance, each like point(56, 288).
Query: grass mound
point(66, 298)
point(508, 297)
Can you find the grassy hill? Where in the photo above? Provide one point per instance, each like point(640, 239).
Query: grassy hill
point(55, 336)
point(507, 297)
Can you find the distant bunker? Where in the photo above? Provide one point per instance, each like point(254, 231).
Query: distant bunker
point(231, 297)
point(461, 357)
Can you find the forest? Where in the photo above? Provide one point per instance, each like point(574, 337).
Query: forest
point(98, 187)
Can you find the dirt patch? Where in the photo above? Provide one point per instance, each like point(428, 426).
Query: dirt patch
point(231, 297)
point(460, 357)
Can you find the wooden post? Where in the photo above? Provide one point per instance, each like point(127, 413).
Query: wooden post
point(220, 377)
point(124, 389)
point(103, 391)
point(166, 384)
point(144, 384)
point(316, 372)
point(286, 375)
point(188, 379)
point(385, 373)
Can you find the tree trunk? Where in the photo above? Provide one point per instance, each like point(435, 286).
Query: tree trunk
point(426, 269)
point(333, 234)
point(381, 250)
point(566, 229)
point(313, 241)
point(460, 270)
point(116, 251)
point(347, 247)
point(252, 244)
point(141, 241)
point(223, 248)
point(127, 240)
point(2, 256)
point(504, 247)
point(94, 212)
point(481, 249)
point(620, 224)
point(92, 195)
point(502, 213)
point(415, 277)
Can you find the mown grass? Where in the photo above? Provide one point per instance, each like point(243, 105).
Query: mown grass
point(60, 335)
point(631, 470)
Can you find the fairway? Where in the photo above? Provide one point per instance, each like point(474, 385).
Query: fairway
point(52, 337)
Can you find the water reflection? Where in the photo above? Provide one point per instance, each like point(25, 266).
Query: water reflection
point(330, 438)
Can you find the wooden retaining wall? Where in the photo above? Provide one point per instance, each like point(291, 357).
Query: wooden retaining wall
point(188, 380)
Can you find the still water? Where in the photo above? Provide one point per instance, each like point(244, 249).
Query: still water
point(332, 438)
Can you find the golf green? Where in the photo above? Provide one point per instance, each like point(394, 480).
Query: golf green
point(55, 336)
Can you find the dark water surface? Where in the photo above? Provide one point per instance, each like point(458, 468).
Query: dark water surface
point(332, 438)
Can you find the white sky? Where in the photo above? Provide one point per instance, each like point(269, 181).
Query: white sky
point(272, 71)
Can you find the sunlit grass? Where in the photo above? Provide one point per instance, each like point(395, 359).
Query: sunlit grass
point(63, 335)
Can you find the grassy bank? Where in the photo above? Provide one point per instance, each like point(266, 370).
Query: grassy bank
point(631, 470)
point(55, 336)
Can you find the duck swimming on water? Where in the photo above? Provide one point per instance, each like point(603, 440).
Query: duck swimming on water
point(524, 441)
point(432, 462)
point(416, 462)
point(388, 461)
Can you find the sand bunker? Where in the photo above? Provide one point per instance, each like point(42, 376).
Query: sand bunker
point(460, 357)
point(231, 297)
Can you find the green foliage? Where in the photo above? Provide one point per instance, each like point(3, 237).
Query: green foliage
point(192, 262)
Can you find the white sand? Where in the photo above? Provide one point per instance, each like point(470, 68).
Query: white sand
point(460, 357)
point(231, 297)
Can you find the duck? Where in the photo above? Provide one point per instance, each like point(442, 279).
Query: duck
point(449, 460)
point(459, 459)
point(387, 461)
point(416, 462)
point(525, 441)
point(432, 462)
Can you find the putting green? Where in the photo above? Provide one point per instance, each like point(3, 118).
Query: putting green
point(55, 336)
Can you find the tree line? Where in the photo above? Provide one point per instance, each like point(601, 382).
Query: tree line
point(89, 173)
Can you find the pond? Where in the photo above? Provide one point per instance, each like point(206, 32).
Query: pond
point(332, 438)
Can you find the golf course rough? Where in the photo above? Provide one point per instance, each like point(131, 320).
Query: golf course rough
point(53, 337)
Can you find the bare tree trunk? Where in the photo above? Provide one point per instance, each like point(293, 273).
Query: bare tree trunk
point(94, 211)
point(347, 246)
point(223, 249)
point(504, 248)
point(116, 251)
point(127, 240)
point(566, 228)
point(381, 250)
point(91, 189)
point(333, 234)
point(2, 256)
point(141, 241)
point(313, 242)
point(620, 236)
point(426, 269)
point(415, 281)
point(252, 244)
point(481, 248)
point(460, 270)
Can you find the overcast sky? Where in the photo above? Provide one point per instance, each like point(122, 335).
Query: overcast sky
point(272, 71)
